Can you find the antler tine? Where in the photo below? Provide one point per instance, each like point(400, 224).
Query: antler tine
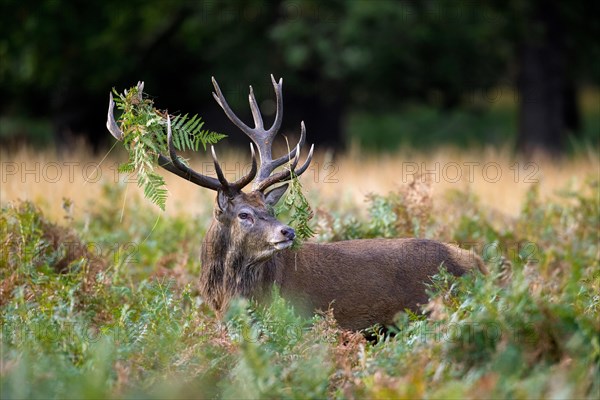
point(218, 169)
point(258, 121)
point(287, 173)
point(304, 166)
point(240, 183)
point(140, 87)
point(279, 113)
point(283, 159)
point(231, 115)
point(111, 124)
point(243, 181)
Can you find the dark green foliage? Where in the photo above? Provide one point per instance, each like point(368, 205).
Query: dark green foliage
point(405, 127)
point(340, 55)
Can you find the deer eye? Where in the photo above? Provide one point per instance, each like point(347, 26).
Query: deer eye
point(243, 215)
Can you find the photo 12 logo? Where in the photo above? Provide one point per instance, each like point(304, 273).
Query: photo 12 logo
point(50, 172)
point(469, 171)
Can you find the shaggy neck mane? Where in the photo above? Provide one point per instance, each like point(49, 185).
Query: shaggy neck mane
point(227, 272)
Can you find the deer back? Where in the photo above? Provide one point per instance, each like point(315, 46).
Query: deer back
point(367, 281)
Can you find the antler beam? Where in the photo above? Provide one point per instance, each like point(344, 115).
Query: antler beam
point(174, 165)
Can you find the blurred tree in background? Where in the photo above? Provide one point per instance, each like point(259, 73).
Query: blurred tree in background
point(348, 65)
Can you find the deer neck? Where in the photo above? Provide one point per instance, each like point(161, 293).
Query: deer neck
point(227, 272)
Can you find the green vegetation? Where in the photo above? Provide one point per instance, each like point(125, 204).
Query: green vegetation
point(425, 127)
point(296, 211)
point(103, 308)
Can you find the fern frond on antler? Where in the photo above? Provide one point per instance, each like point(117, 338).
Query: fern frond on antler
point(144, 130)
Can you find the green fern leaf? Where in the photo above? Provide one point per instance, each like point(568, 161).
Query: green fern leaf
point(145, 137)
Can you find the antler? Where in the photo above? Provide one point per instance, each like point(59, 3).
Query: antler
point(263, 139)
point(173, 163)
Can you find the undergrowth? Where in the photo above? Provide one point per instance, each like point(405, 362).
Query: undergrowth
point(108, 308)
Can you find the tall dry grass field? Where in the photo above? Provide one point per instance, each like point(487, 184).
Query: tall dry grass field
point(494, 176)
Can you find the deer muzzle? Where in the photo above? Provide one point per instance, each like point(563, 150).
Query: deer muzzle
point(285, 238)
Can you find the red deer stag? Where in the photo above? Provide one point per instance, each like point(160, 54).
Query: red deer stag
point(246, 249)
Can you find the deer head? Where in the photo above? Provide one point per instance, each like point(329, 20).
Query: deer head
point(244, 220)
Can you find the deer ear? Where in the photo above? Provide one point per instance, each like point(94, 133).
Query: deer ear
point(272, 197)
point(222, 202)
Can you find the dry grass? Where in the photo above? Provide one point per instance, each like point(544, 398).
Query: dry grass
point(343, 181)
point(505, 191)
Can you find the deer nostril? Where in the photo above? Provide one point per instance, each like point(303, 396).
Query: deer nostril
point(288, 233)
